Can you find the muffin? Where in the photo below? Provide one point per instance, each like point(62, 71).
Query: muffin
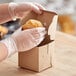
point(3, 31)
point(32, 23)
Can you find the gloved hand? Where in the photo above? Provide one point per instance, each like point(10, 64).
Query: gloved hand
point(24, 40)
point(17, 10)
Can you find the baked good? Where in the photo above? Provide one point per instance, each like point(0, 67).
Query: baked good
point(3, 31)
point(32, 23)
point(66, 24)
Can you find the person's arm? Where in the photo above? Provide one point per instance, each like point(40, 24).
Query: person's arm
point(8, 11)
point(21, 41)
point(3, 51)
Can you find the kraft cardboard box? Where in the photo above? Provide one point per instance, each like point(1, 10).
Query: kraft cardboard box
point(40, 57)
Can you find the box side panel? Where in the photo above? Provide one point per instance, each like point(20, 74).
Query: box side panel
point(45, 52)
point(29, 59)
point(52, 27)
point(44, 58)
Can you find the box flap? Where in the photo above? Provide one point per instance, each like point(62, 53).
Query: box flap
point(46, 18)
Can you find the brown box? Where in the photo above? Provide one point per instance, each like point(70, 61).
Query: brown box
point(39, 58)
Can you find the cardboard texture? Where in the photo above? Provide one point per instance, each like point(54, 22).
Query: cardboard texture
point(39, 58)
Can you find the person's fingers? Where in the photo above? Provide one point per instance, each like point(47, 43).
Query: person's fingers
point(38, 41)
point(38, 35)
point(40, 29)
point(36, 32)
point(31, 6)
point(40, 6)
point(35, 8)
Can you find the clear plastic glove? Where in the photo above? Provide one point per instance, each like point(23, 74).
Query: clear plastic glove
point(17, 10)
point(24, 40)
